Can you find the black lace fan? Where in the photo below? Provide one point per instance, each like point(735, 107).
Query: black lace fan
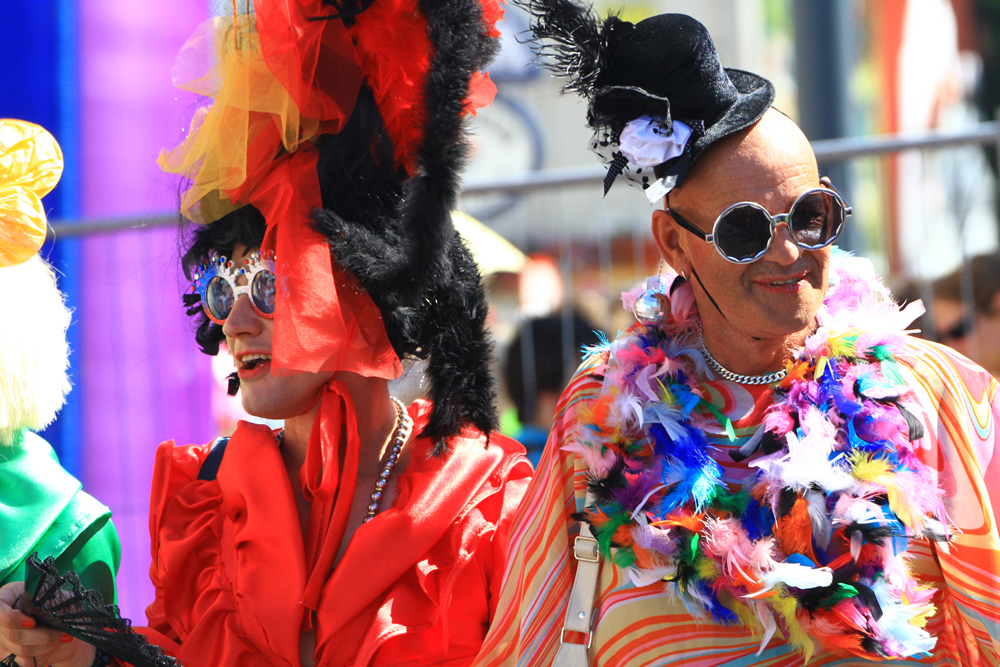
point(62, 603)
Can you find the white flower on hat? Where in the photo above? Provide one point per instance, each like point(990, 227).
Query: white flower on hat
point(646, 142)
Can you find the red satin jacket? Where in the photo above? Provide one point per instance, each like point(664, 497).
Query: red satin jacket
point(417, 585)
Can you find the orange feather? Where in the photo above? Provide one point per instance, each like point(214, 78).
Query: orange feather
point(794, 530)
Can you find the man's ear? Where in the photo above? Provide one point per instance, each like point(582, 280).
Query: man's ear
point(667, 236)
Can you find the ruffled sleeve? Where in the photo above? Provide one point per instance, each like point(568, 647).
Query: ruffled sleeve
point(173, 468)
point(205, 612)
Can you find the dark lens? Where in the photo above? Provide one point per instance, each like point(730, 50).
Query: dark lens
point(219, 298)
point(262, 292)
point(816, 219)
point(743, 232)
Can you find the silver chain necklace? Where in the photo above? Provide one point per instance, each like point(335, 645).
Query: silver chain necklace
point(404, 424)
point(735, 377)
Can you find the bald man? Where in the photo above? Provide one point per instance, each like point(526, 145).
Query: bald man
point(765, 469)
point(762, 310)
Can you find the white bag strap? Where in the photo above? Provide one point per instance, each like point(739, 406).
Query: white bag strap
point(580, 610)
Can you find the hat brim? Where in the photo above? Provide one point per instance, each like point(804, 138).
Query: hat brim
point(616, 105)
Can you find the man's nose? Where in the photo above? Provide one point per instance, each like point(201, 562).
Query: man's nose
point(784, 250)
point(243, 320)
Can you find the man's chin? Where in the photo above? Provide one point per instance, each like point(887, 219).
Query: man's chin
point(783, 323)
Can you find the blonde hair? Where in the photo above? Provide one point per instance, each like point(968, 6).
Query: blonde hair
point(34, 355)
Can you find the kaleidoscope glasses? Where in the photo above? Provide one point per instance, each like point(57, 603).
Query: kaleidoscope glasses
point(744, 231)
point(215, 283)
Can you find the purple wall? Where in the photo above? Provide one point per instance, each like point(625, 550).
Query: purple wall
point(140, 375)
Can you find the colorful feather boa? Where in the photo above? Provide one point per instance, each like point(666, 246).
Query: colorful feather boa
point(814, 543)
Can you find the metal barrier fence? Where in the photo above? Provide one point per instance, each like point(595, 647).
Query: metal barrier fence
point(828, 151)
point(544, 194)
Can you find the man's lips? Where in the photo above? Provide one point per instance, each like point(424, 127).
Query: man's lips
point(784, 284)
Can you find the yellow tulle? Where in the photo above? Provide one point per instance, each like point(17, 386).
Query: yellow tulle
point(31, 164)
point(251, 119)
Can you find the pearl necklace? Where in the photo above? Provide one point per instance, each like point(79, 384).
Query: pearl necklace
point(403, 428)
point(735, 377)
point(404, 424)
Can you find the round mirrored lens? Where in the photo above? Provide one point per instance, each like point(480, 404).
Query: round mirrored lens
point(219, 298)
point(816, 219)
point(262, 292)
point(743, 232)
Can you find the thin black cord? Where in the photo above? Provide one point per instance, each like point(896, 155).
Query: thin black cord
point(707, 293)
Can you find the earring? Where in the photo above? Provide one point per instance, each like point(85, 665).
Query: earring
point(652, 307)
point(234, 383)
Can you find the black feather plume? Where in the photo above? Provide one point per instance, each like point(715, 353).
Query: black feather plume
point(603, 487)
point(571, 37)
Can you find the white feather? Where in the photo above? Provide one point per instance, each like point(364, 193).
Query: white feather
point(645, 499)
point(750, 446)
point(795, 576)
point(895, 622)
point(34, 356)
point(642, 578)
point(819, 518)
point(766, 620)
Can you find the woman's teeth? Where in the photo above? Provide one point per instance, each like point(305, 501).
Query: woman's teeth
point(251, 360)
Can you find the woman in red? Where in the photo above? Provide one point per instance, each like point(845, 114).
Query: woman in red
point(363, 532)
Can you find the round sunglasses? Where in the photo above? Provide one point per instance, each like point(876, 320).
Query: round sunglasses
point(215, 283)
point(744, 231)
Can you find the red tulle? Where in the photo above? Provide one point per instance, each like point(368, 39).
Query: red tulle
point(492, 14)
point(323, 320)
point(482, 90)
point(313, 60)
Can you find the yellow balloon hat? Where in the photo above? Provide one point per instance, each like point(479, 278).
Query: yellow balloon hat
point(31, 163)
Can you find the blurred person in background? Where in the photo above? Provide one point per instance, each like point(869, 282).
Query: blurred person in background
point(764, 469)
point(42, 507)
point(957, 322)
point(535, 380)
point(365, 532)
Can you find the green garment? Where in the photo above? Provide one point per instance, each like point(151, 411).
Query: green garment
point(43, 509)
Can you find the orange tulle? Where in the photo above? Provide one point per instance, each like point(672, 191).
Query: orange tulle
point(323, 320)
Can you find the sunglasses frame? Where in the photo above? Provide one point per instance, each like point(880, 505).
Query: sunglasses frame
point(221, 267)
point(781, 218)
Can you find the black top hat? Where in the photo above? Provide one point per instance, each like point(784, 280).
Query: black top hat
point(661, 70)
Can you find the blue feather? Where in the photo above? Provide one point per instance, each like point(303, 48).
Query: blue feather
point(758, 520)
point(720, 614)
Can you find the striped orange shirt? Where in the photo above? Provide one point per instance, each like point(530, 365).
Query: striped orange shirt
point(959, 406)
